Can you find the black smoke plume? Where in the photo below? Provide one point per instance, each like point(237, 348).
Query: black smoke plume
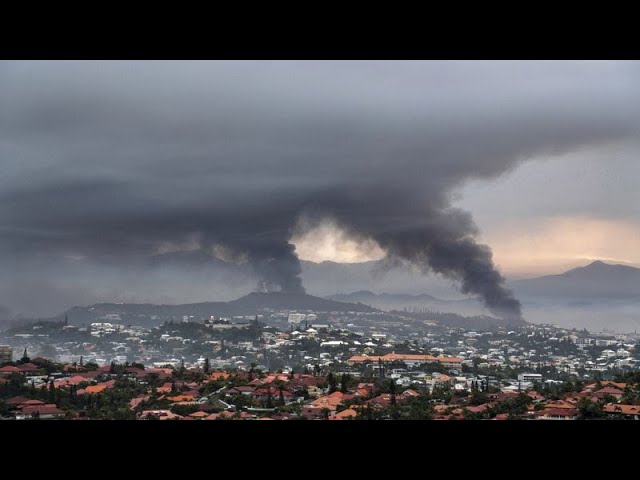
point(456, 255)
point(108, 164)
point(277, 266)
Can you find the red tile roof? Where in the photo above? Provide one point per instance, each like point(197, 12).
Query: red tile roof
point(165, 388)
point(478, 408)
point(74, 380)
point(138, 372)
point(181, 398)
point(410, 393)
point(199, 415)
point(134, 402)
point(559, 412)
point(161, 414)
point(47, 409)
point(622, 409)
point(390, 357)
point(383, 399)
point(559, 404)
point(9, 369)
point(159, 371)
point(607, 383)
point(328, 402)
point(240, 389)
point(344, 415)
point(28, 367)
point(96, 388)
point(608, 391)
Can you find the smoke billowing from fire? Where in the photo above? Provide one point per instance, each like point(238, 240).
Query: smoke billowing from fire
point(112, 162)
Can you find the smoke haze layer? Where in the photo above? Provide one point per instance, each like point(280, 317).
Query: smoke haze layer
point(109, 162)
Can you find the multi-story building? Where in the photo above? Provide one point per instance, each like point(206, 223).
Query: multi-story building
point(530, 377)
point(6, 353)
point(409, 359)
point(296, 318)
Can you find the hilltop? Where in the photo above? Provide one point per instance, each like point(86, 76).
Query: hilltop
point(596, 280)
point(251, 304)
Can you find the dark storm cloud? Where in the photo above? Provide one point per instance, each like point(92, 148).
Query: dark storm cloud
point(108, 160)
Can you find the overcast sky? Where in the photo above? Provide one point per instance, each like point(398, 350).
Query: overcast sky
point(555, 213)
point(111, 163)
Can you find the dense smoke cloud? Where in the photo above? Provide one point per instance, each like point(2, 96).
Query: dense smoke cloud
point(106, 162)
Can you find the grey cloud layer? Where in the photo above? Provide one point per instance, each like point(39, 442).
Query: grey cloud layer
point(109, 159)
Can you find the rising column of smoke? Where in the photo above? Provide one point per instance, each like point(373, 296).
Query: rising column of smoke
point(277, 267)
point(262, 242)
point(445, 244)
point(107, 160)
point(439, 238)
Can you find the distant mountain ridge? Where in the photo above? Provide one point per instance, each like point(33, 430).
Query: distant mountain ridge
point(328, 278)
point(597, 280)
point(368, 295)
point(251, 304)
point(296, 301)
point(596, 283)
point(400, 301)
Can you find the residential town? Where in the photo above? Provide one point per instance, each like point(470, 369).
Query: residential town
point(315, 366)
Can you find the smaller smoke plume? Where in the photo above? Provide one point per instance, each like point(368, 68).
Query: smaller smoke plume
point(277, 267)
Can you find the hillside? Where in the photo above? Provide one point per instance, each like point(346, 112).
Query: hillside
point(399, 301)
point(597, 280)
point(150, 314)
point(294, 301)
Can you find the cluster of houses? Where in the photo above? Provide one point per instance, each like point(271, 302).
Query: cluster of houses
point(193, 394)
point(330, 340)
point(431, 358)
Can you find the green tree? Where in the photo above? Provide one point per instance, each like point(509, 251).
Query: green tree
point(344, 383)
point(52, 392)
point(589, 410)
point(392, 391)
point(331, 380)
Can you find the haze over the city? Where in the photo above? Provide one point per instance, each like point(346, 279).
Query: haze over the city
point(177, 182)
